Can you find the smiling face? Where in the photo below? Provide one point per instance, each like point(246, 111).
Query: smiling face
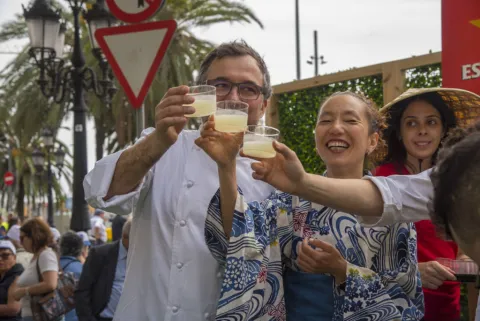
point(343, 134)
point(240, 69)
point(421, 130)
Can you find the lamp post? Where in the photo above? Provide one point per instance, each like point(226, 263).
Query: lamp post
point(62, 81)
point(38, 158)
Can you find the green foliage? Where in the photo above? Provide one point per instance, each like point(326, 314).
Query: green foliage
point(424, 77)
point(298, 110)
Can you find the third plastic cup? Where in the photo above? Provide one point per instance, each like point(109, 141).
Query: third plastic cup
point(205, 100)
point(231, 116)
point(258, 141)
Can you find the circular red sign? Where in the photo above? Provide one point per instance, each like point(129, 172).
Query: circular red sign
point(8, 178)
point(131, 10)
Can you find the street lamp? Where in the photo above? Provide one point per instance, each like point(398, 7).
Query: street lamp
point(62, 81)
point(59, 157)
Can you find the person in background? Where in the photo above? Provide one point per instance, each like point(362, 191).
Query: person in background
point(36, 238)
point(102, 279)
point(22, 256)
point(56, 235)
point(99, 230)
point(14, 230)
point(71, 260)
point(9, 273)
point(117, 227)
point(419, 120)
point(3, 227)
point(86, 245)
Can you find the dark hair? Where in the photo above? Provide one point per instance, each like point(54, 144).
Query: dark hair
point(397, 153)
point(11, 222)
point(40, 233)
point(376, 121)
point(456, 184)
point(236, 49)
point(71, 244)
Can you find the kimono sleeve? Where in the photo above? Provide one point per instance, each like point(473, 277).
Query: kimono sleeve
point(391, 288)
point(256, 232)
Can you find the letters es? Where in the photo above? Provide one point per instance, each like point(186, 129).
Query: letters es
point(471, 71)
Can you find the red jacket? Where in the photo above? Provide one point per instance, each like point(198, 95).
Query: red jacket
point(442, 304)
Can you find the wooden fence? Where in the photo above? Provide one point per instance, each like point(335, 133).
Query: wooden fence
point(393, 75)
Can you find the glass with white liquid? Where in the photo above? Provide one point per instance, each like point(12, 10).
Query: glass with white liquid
point(258, 141)
point(205, 103)
point(231, 116)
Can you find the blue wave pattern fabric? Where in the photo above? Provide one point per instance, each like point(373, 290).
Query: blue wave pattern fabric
point(383, 281)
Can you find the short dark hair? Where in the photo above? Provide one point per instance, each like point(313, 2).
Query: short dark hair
point(236, 49)
point(40, 233)
point(71, 244)
point(456, 184)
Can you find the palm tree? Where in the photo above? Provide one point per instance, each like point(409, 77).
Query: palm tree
point(23, 113)
point(24, 110)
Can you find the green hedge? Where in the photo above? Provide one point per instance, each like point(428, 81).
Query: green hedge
point(298, 114)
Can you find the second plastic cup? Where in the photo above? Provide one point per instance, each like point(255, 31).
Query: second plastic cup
point(231, 116)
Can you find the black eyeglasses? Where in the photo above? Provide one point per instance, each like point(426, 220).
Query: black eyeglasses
point(246, 90)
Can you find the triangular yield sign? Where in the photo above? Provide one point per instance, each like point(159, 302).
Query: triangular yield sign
point(135, 53)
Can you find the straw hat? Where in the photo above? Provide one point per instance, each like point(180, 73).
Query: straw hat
point(463, 109)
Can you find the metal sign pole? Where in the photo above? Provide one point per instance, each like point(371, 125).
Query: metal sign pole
point(140, 117)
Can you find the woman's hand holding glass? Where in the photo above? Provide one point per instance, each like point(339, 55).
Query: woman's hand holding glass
point(222, 147)
point(284, 171)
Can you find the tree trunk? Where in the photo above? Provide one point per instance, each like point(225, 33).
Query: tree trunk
point(100, 134)
point(20, 198)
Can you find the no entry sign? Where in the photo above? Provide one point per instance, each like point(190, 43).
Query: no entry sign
point(8, 178)
point(134, 11)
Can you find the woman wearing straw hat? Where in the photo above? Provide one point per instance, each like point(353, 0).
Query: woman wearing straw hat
point(418, 120)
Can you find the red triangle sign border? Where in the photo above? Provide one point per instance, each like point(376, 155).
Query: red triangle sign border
point(100, 34)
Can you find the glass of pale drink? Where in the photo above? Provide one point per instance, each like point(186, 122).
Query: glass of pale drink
point(258, 141)
point(205, 100)
point(231, 116)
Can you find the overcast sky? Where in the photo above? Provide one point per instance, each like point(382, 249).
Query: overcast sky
point(351, 33)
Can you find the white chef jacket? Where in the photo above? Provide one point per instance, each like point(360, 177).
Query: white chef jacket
point(171, 275)
point(406, 198)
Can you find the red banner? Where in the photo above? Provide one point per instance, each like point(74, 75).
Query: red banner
point(461, 44)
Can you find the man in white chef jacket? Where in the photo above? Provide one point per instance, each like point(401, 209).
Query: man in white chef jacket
point(168, 182)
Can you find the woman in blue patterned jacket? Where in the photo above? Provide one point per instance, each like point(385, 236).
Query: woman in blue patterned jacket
point(288, 258)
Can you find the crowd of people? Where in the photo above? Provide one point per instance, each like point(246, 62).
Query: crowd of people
point(383, 234)
point(210, 240)
point(32, 260)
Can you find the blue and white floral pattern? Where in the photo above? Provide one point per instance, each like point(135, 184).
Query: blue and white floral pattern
point(383, 281)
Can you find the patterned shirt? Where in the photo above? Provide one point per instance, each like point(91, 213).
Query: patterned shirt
point(383, 281)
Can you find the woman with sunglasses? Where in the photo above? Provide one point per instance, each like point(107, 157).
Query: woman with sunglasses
point(36, 237)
